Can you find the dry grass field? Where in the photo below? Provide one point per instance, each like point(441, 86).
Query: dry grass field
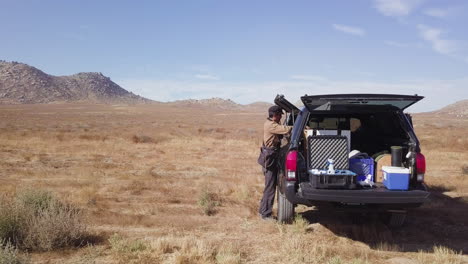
point(161, 184)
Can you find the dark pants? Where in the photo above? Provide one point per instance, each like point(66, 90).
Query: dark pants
point(266, 204)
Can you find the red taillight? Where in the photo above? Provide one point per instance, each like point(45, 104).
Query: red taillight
point(420, 163)
point(420, 166)
point(291, 165)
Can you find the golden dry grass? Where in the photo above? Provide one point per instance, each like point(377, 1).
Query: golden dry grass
point(140, 172)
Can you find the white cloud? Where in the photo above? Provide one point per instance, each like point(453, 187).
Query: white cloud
point(438, 92)
point(396, 44)
point(440, 45)
point(438, 12)
point(350, 30)
point(207, 77)
point(396, 8)
point(307, 77)
point(402, 44)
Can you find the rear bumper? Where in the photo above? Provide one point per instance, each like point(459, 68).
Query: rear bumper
point(306, 194)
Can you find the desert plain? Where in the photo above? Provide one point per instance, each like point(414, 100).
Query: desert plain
point(160, 183)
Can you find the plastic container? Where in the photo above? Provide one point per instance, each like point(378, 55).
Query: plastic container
point(362, 167)
point(341, 179)
point(396, 178)
point(397, 153)
point(318, 132)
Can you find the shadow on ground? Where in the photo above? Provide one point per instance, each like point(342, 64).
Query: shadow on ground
point(442, 222)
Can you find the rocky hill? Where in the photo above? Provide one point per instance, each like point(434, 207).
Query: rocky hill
point(24, 84)
point(215, 102)
point(222, 104)
point(459, 108)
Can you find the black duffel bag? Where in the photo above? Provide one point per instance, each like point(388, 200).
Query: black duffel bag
point(267, 157)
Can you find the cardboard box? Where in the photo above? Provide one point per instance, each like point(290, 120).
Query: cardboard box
point(396, 178)
point(381, 161)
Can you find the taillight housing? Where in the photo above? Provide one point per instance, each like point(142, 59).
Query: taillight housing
point(420, 167)
point(291, 165)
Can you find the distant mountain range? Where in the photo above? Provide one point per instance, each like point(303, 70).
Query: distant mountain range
point(220, 103)
point(24, 84)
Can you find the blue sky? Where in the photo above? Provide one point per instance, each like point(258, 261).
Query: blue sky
point(249, 51)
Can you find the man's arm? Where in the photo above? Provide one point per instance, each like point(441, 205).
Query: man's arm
point(279, 129)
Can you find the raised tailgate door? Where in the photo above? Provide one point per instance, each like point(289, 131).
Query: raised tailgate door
point(327, 102)
point(285, 104)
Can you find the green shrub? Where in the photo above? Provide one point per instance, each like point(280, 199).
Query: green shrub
point(121, 245)
point(300, 225)
point(11, 221)
point(36, 200)
point(464, 169)
point(9, 254)
point(36, 220)
point(208, 201)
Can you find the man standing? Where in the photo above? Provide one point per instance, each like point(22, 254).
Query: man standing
point(272, 134)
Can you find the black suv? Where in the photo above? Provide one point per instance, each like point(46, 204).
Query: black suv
point(381, 124)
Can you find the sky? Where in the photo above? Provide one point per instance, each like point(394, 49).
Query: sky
point(248, 50)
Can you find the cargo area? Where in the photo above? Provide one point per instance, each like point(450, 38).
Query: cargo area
point(359, 146)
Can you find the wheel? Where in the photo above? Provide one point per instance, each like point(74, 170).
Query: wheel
point(285, 209)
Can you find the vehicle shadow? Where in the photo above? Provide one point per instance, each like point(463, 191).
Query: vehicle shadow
point(441, 222)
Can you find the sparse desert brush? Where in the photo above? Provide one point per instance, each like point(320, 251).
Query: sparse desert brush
point(208, 201)
point(121, 245)
point(191, 249)
point(147, 139)
point(300, 224)
point(228, 255)
point(11, 221)
point(297, 249)
point(464, 169)
point(131, 251)
point(10, 255)
point(136, 187)
point(93, 137)
point(36, 220)
point(89, 255)
point(441, 255)
point(37, 200)
point(247, 196)
point(385, 246)
point(195, 251)
point(142, 139)
point(301, 248)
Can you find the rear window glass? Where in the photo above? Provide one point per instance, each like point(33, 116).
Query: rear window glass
point(329, 123)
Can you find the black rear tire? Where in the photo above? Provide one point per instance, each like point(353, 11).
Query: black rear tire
point(285, 209)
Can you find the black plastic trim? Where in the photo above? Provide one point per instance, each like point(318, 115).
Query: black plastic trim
point(306, 194)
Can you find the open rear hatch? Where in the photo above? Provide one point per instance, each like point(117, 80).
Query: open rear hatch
point(347, 102)
point(285, 104)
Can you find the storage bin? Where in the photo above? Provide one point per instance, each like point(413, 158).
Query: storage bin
point(341, 179)
point(322, 148)
point(322, 132)
point(362, 167)
point(396, 178)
